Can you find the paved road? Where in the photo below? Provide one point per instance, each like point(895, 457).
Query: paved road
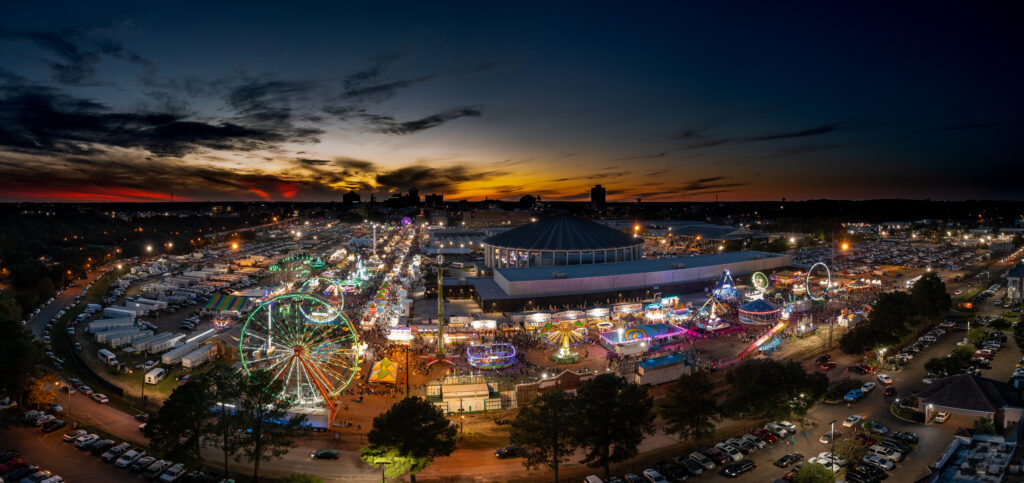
point(63, 299)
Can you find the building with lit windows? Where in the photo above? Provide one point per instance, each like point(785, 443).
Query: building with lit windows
point(560, 240)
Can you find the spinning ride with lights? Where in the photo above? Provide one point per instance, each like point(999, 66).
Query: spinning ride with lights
point(306, 343)
point(564, 335)
point(760, 281)
point(818, 282)
point(491, 356)
point(328, 288)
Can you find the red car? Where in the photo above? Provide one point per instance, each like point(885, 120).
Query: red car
point(863, 438)
point(764, 435)
point(827, 366)
point(13, 465)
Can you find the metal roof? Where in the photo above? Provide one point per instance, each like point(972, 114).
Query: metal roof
point(640, 266)
point(562, 232)
point(970, 392)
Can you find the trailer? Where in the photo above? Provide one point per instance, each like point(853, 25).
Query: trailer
point(105, 337)
point(156, 375)
point(169, 341)
point(103, 325)
point(199, 356)
point(116, 312)
point(127, 339)
point(159, 304)
point(174, 356)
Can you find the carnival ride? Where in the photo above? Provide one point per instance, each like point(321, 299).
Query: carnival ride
point(306, 344)
point(725, 288)
point(498, 355)
point(760, 282)
point(564, 334)
point(706, 317)
point(759, 312)
point(816, 286)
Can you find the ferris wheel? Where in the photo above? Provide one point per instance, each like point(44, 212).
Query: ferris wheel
point(760, 281)
point(305, 342)
point(818, 281)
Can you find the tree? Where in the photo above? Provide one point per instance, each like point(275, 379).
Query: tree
point(177, 429)
point(21, 355)
point(410, 434)
point(42, 390)
point(772, 389)
point(929, 299)
point(544, 430)
point(814, 473)
point(850, 449)
point(984, 426)
point(690, 410)
point(945, 366)
point(263, 409)
point(962, 352)
point(884, 326)
point(612, 418)
point(225, 386)
point(977, 336)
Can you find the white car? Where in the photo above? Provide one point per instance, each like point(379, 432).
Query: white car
point(867, 387)
point(730, 451)
point(884, 379)
point(85, 390)
point(788, 426)
point(85, 440)
point(825, 455)
point(878, 461)
point(754, 440)
point(826, 463)
point(941, 417)
point(69, 437)
point(41, 420)
point(928, 379)
point(128, 458)
point(853, 420)
point(100, 398)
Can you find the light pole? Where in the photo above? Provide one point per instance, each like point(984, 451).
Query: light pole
point(832, 439)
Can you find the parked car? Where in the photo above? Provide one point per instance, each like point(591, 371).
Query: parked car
point(854, 395)
point(82, 442)
point(715, 454)
point(114, 452)
point(173, 473)
point(754, 440)
point(941, 417)
point(828, 437)
point(702, 460)
point(129, 458)
point(788, 459)
point(53, 425)
point(884, 379)
point(867, 387)
point(652, 476)
point(889, 391)
point(142, 463)
point(896, 445)
point(736, 469)
point(730, 450)
point(154, 470)
point(906, 437)
point(100, 398)
point(69, 437)
point(852, 420)
point(876, 427)
point(692, 465)
point(878, 462)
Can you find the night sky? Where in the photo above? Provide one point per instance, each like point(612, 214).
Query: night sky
point(664, 102)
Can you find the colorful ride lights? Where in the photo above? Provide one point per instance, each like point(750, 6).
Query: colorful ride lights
point(498, 355)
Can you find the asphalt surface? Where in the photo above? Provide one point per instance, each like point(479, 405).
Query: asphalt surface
point(61, 300)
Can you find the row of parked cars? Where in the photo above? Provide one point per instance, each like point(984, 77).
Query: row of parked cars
point(882, 455)
point(14, 468)
point(124, 455)
point(729, 457)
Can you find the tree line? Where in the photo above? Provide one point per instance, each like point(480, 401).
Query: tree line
point(246, 417)
point(896, 314)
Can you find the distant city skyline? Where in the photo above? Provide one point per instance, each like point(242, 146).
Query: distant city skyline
point(127, 101)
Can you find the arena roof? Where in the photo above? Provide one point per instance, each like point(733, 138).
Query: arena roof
point(562, 232)
point(640, 266)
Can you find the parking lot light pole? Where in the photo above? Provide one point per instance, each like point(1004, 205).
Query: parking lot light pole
point(832, 425)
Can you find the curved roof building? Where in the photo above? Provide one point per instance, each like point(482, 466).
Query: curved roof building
point(560, 240)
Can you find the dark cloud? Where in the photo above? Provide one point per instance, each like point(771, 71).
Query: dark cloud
point(788, 151)
point(40, 119)
point(712, 184)
point(814, 131)
point(388, 125)
point(312, 162)
point(356, 164)
point(641, 156)
point(428, 178)
point(268, 101)
point(77, 53)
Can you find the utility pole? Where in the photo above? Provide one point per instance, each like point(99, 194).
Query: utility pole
point(440, 305)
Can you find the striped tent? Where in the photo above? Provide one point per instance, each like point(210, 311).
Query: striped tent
point(223, 302)
point(383, 371)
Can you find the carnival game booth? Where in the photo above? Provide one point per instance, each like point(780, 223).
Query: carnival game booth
point(641, 338)
point(759, 312)
point(232, 305)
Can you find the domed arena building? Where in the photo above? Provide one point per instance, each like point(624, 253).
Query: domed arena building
point(560, 240)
